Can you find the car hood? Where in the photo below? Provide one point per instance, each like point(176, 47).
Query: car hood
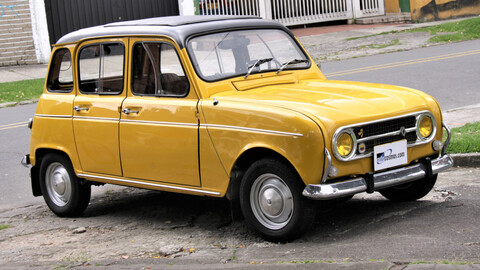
point(337, 102)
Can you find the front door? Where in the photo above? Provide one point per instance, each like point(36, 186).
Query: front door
point(159, 125)
point(96, 108)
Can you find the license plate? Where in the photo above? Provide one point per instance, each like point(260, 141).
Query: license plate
point(390, 155)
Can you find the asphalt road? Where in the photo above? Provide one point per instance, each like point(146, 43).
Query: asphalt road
point(15, 140)
point(448, 72)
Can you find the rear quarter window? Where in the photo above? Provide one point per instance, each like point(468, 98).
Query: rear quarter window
point(60, 75)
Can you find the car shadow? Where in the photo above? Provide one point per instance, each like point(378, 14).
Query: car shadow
point(170, 211)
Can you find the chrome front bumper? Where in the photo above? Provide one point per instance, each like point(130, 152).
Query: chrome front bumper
point(378, 181)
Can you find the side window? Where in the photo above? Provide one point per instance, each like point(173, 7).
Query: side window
point(60, 78)
point(157, 71)
point(101, 68)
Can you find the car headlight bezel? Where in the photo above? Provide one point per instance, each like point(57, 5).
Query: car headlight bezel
point(421, 124)
point(353, 146)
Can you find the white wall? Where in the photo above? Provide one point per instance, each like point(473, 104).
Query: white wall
point(40, 30)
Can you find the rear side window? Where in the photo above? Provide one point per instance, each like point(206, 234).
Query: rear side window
point(60, 77)
point(157, 71)
point(101, 68)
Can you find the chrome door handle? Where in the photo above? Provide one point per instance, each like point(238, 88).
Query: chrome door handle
point(78, 108)
point(128, 111)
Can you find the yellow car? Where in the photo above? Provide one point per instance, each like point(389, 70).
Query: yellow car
point(224, 106)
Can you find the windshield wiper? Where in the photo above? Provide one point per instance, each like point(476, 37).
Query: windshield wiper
point(256, 64)
point(291, 62)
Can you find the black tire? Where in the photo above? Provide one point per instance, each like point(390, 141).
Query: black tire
point(64, 194)
point(410, 191)
point(285, 218)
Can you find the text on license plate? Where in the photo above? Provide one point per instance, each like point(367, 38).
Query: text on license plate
point(390, 155)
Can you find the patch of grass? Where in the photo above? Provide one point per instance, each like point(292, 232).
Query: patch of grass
point(69, 262)
point(21, 90)
point(4, 226)
point(448, 262)
point(372, 35)
point(234, 255)
point(453, 31)
point(381, 46)
point(465, 139)
point(446, 32)
point(306, 261)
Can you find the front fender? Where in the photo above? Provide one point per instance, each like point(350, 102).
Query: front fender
point(234, 127)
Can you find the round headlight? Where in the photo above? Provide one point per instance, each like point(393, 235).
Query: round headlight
point(345, 144)
point(425, 126)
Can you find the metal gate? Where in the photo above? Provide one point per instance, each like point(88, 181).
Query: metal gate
point(295, 12)
point(229, 7)
point(368, 8)
point(64, 16)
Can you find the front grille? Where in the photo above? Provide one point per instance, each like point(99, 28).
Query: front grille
point(384, 131)
point(410, 136)
point(388, 126)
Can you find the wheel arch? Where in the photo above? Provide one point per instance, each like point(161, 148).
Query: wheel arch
point(244, 161)
point(40, 153)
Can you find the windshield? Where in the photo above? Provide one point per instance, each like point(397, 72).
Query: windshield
point(241, 53)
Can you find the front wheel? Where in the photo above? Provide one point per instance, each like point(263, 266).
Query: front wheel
point(410, 191)
point(272, 202)
point(64, 194)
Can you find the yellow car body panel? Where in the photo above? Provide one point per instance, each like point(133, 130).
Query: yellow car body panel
point(236, 127)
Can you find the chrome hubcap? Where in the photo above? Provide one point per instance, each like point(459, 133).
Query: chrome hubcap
point(58, 184)
point(271, 201)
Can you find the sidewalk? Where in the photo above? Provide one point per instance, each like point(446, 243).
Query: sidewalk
point(23, 72)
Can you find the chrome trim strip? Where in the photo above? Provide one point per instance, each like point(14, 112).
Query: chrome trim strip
point(356, 156)
point(447, 141)
point(253, 130)
point(159, 123)
point(381, 180)
point(96, 118)
point(149, 184)
point(386, 119)
point(409, 145)
point(393, 133)
point(329, 165)
point(353, 152)
point(420, 138)
point(53, 116)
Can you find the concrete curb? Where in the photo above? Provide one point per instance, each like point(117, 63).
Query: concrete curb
point(466, 160)
point(11, 104)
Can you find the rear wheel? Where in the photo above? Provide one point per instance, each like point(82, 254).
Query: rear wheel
point(410, 191)
point(64, 194)
point(272, 202)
